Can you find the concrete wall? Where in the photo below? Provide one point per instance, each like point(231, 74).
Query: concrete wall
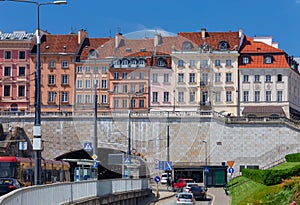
point(255, 141)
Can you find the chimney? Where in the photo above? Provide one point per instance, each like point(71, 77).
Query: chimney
point(118, 40)
point(241, 33)
point(157, 39)
point(81, 35)
point(203, 32)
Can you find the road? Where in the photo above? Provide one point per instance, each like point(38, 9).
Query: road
point(172, 201)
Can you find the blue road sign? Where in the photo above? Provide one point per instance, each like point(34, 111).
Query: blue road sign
point(96, 164)
point(127, 160)
point(206, 170)
point(87, 146)
point(168, 166)
point(161, 165)
point(231, 170)
point(157, 179)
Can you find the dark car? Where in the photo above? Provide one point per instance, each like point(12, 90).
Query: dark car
point(8, 185)
point(198, 192)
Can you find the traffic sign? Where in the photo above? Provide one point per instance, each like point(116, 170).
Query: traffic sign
point(230, 163)
point(87, 146)
point(127, 160)
point(157, 179)
point(94, 157)
point(96, 164)
point(133, 151)
point(231, 170)
point(168, 165)
point(206, 170)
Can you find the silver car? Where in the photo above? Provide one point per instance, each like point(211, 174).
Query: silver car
point(185, 198)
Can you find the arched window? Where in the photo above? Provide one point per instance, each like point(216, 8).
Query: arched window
point(161, 62)
point(187, 46)
point(223, 45)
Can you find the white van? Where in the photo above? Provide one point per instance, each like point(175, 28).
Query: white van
point(164, 177)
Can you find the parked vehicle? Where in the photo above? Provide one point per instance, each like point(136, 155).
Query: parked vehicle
point(188, 186)
point(9, 184)
point(185, 198)
point(198, 192)
point(181, 183)
point(165, 177)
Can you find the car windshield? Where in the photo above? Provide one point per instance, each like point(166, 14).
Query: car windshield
point(189, 181)
point(185, 196)
point(195, 188)
point(6, 181)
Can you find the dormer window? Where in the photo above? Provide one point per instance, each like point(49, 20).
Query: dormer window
point(133, 61)
point(142, 62)
point(93, 54)
point(268, 59)
point(125, 61)
point(246, 59)
point(187, 46)
point(161, 62)
point(223, 45)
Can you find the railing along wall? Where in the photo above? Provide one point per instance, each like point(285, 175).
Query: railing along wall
point(64, 193)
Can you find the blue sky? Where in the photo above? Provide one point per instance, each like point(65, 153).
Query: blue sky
point(277, 18)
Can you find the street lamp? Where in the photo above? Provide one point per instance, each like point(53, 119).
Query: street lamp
point(37, 130)
point(205, 170)
point(204, 141)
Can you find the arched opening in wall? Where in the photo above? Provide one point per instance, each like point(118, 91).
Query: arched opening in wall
point(14, 107)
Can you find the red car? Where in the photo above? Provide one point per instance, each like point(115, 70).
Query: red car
point(181, 183)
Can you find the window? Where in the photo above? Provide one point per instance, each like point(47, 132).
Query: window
point(223, 45)
point(155, 97)
point(64, 64)
point(180, 63)
point(79, 84)
point(79, 99)
point(132, 103)
point(142, 75)
point(51, 96)
point(204, 79)
point(103, 98)
point(217, 77)
point(96, 83)
point(268, 78)
point(87, 99)
point(87, 83)
point(192, 96)
point(217, 62)
point(64, 79)
point(142, 62)
point(161, 62)
point(256, 96)
point(87, 69)
point(245, 78)
point(103, 69)
point(132, 88)
point(204, 64)
point(125, 62)
point(116, 88)
point(22, 70)
point(124, 103)
point(21, 90)
point(246, 96)
point(103, 84)
point(116, 103)
point(228, 77)
point(279, 96)
point(7, 71)
point(228, 96)
point(228, 63)
point(132, 75)
point(218, 96)
point(192, 63)
point(192, 77)
point(268, 96)
point(116, 76)
point(124, 75)
point(7, 55)
point(124, 89)
point(22, 55)
point(279, 78)
point(155, 77)
point(246, 60)
point(51, 64)
point(268, 59)
point(166, 97)
point(64, 96)
point(180, 96)
point(142, 88)
point(256, 78)
point(180, 77)
point(166, 78)
point(96, 69)
point(142, 103)
point(79, 69)
point(51, 79)
point(6, 90)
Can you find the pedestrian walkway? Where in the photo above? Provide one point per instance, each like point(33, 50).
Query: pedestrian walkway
point(218, 196)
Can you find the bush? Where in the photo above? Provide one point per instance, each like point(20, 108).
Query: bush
point(293, 157)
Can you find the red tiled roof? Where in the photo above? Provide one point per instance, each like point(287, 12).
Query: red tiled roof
point(93, 43)
point(213, 38)
point(55, 43)
point(256, 52)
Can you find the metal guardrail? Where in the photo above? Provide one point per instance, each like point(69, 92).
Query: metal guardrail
point(63, 193)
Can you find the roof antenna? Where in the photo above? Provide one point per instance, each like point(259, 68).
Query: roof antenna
point(119, 30)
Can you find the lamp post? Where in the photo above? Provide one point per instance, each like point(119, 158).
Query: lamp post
point(37, 130)
point(205, 174)
point(95, 147)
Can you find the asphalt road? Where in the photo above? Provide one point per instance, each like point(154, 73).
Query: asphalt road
point(172, 201)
